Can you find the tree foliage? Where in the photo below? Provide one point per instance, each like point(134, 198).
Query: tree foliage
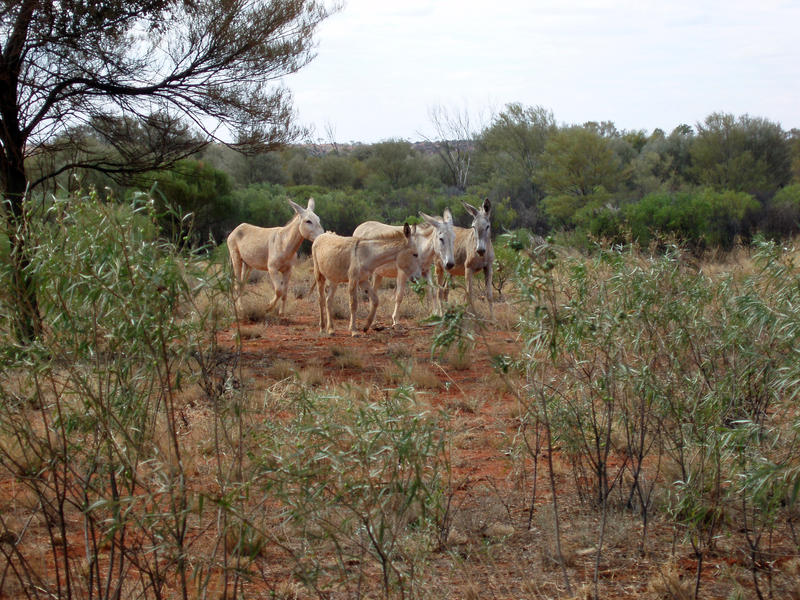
point(510, 154)
point(704, 218)
point(138, 76)
point(747, 154)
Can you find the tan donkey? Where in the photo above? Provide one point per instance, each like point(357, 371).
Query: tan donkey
point(435, 239)
point(338, 259)
point(272, 249)
point(473, 252)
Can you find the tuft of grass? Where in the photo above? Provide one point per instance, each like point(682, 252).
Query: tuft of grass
point(423, 376)
point(282, 369)
point(312, 375)
point(252, 332)
point(347, 358)
point(398, 350)
point(252, 307)
point(457, 358)
point(669, 583)
point(410, 372)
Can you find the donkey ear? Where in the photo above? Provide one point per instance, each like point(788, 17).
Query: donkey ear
point(429, 219)
point(470, 209)
point(311, 204)
point(406, 230)
point(487, 206)
point(297, 208)
point(447, 216)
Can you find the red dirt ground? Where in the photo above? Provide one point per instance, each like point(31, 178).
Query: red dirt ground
point(493, 485)
point(492, 552)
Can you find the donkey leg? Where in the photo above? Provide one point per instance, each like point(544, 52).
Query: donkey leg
point(373, 300)
point(352, 290)
point(398, 296)
point(441, 290)
point(285, 291)
point(329, 302)
point(275, 278)
point(236, 264)
point(487, 276)
point(319, 279)
point(468, 275)
point(433, 293)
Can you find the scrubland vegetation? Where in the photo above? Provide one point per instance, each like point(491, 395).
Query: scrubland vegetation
point(708, 185)
point(627, 427)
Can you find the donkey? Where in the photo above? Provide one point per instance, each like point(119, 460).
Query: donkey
point(435, 239)
point(473, 252)
point(272, 249)
point(339, 258)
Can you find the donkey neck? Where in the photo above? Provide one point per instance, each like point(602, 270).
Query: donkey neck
point(372, 253)
point(425, 245)
point(290, 236)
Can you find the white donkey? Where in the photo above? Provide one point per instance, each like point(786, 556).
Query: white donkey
point(272, 249)
point(435, 239)
point(339, 258)
point(473, 252)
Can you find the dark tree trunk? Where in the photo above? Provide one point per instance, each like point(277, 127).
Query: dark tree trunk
point(14, 181)
point(27, 325)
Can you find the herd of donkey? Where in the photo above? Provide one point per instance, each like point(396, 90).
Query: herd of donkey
point(375, 250)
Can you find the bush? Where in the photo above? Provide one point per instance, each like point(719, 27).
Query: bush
point(195, 188)
point(704, 218)
point(782, 214)
point(91, 415)
point(361, 480)
point(261, 204)
point(627, 356)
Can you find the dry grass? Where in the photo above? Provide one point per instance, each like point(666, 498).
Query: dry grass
point(417, 374)
point(458, 359)
point(399, 350)
point(506, 316)
point(347, 358)
point(253, 332)
point(252, 305)
point(669, 583)
point(282, 369)
point(312, 375)
point(422, 376)
point(489, 551)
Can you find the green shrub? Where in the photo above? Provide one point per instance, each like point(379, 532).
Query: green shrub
point(362, 480)
point(90, 415)
point(781, 217)
point(703, 218)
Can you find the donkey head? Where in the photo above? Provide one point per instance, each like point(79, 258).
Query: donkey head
point(481, 225)
point(310, 226)
point(409, 260)
point(444, 237)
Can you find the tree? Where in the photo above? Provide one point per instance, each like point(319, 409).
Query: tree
point(747, 154)
point(396, 163)
point(663, 161)
point(334, 171)
point(196, 188)
point(135, 73)
point(794, 145)
point(579, 170)
point(509, 155)
point(454, 143)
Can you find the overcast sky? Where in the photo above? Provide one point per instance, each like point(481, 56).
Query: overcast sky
point(382, 65)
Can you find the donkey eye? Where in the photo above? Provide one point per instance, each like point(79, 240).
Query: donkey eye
point(416, 255)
